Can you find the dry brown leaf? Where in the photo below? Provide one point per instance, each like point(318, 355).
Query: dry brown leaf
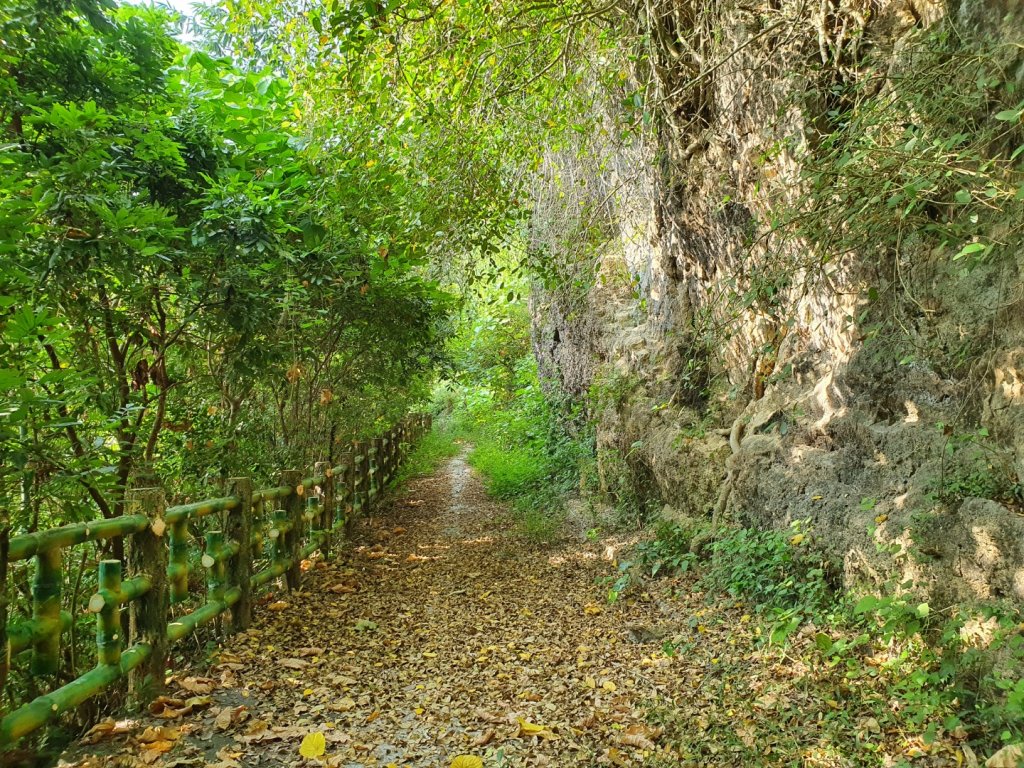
point(636, 736)
point(1010, 756)
point(484, 738)
point(197, 685)
point(489, 717)
point(345, 704)
point(103, 730)
point(165, 706)
point(229, 716)
point(293, 663)
point(159, 733)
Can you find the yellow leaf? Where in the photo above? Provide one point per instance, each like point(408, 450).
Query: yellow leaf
point(429, 655)
point(590, 683)
point(881, 519)
point(592, 609)
point(608, 685)
point(796, 540)
point(313, 745)
point(467, 761)
point(530, 729)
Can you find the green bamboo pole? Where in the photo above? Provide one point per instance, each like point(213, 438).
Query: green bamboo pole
point(5, 639)
point(316, 540)
point(240, 529)
point(281, 526)
point(358, 479)
point(46, 589)
point(328, 511)
point(268, 574)
point(312, 517)
point(30, 544)
point(343, 491)
point(202, 508)
point(23, 635)
point(108, 619)
point(177, 568)
point(213, 561)
point(293, 537)
point(376, 456)
point(147, 555)
point(40, 711)
point(186, 625)
point(273, 494)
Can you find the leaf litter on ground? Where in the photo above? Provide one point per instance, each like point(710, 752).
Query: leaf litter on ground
point(490, 650)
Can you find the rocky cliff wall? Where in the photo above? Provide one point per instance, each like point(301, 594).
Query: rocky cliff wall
point(769, 310)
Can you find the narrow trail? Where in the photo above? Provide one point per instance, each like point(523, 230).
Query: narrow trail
point(439, 631)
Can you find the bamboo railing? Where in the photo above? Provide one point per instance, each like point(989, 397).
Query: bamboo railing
point(281, 525)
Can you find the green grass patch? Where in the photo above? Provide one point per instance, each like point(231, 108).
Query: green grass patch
point(526, 477)
point(430, 453)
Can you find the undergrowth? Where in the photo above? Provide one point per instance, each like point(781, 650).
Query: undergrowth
point(430, 453)
point(955, 675)
point(523, 439)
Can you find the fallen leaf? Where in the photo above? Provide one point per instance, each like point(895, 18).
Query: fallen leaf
point(467, 761)
point(526, 728)
point(1010, 756)
point(313, 745)
point(484, 738)
point(197, 685)
point(638, 737)
point(158, 733)
point(344, 704)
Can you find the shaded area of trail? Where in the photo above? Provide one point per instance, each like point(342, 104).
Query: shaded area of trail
point(441, 630)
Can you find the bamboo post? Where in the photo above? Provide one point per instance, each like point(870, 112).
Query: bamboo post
point(358, 480)
point(343, 490)
point(376, 456)
point(240, 528)
point(177, 569)
point(278, 533)
point(293, 538)
point(327, 505)
point(216, 573)
point(46, 589)
point(5, 642)
point(392, 453)
point(147, 554)
point(108, 618)
point(216, 570)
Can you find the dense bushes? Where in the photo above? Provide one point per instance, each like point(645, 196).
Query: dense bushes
point(522, 437)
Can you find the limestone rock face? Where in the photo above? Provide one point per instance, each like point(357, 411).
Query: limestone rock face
point(878, 394)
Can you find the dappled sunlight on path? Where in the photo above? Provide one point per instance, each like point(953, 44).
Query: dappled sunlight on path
point(441, 631)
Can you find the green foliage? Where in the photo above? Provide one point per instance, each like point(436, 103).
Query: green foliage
point(973, 466)
point(772, 569)
point(669, 551)
point(521, 435)
point(961, 670)
point(930, 163)
point(189, 285)
point(430, 453)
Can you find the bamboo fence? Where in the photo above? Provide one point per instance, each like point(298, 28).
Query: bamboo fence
point(275, 528)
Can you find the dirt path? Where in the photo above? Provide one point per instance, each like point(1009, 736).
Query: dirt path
point(440, 631)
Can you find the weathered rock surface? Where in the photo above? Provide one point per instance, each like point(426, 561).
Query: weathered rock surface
point(880, 395)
